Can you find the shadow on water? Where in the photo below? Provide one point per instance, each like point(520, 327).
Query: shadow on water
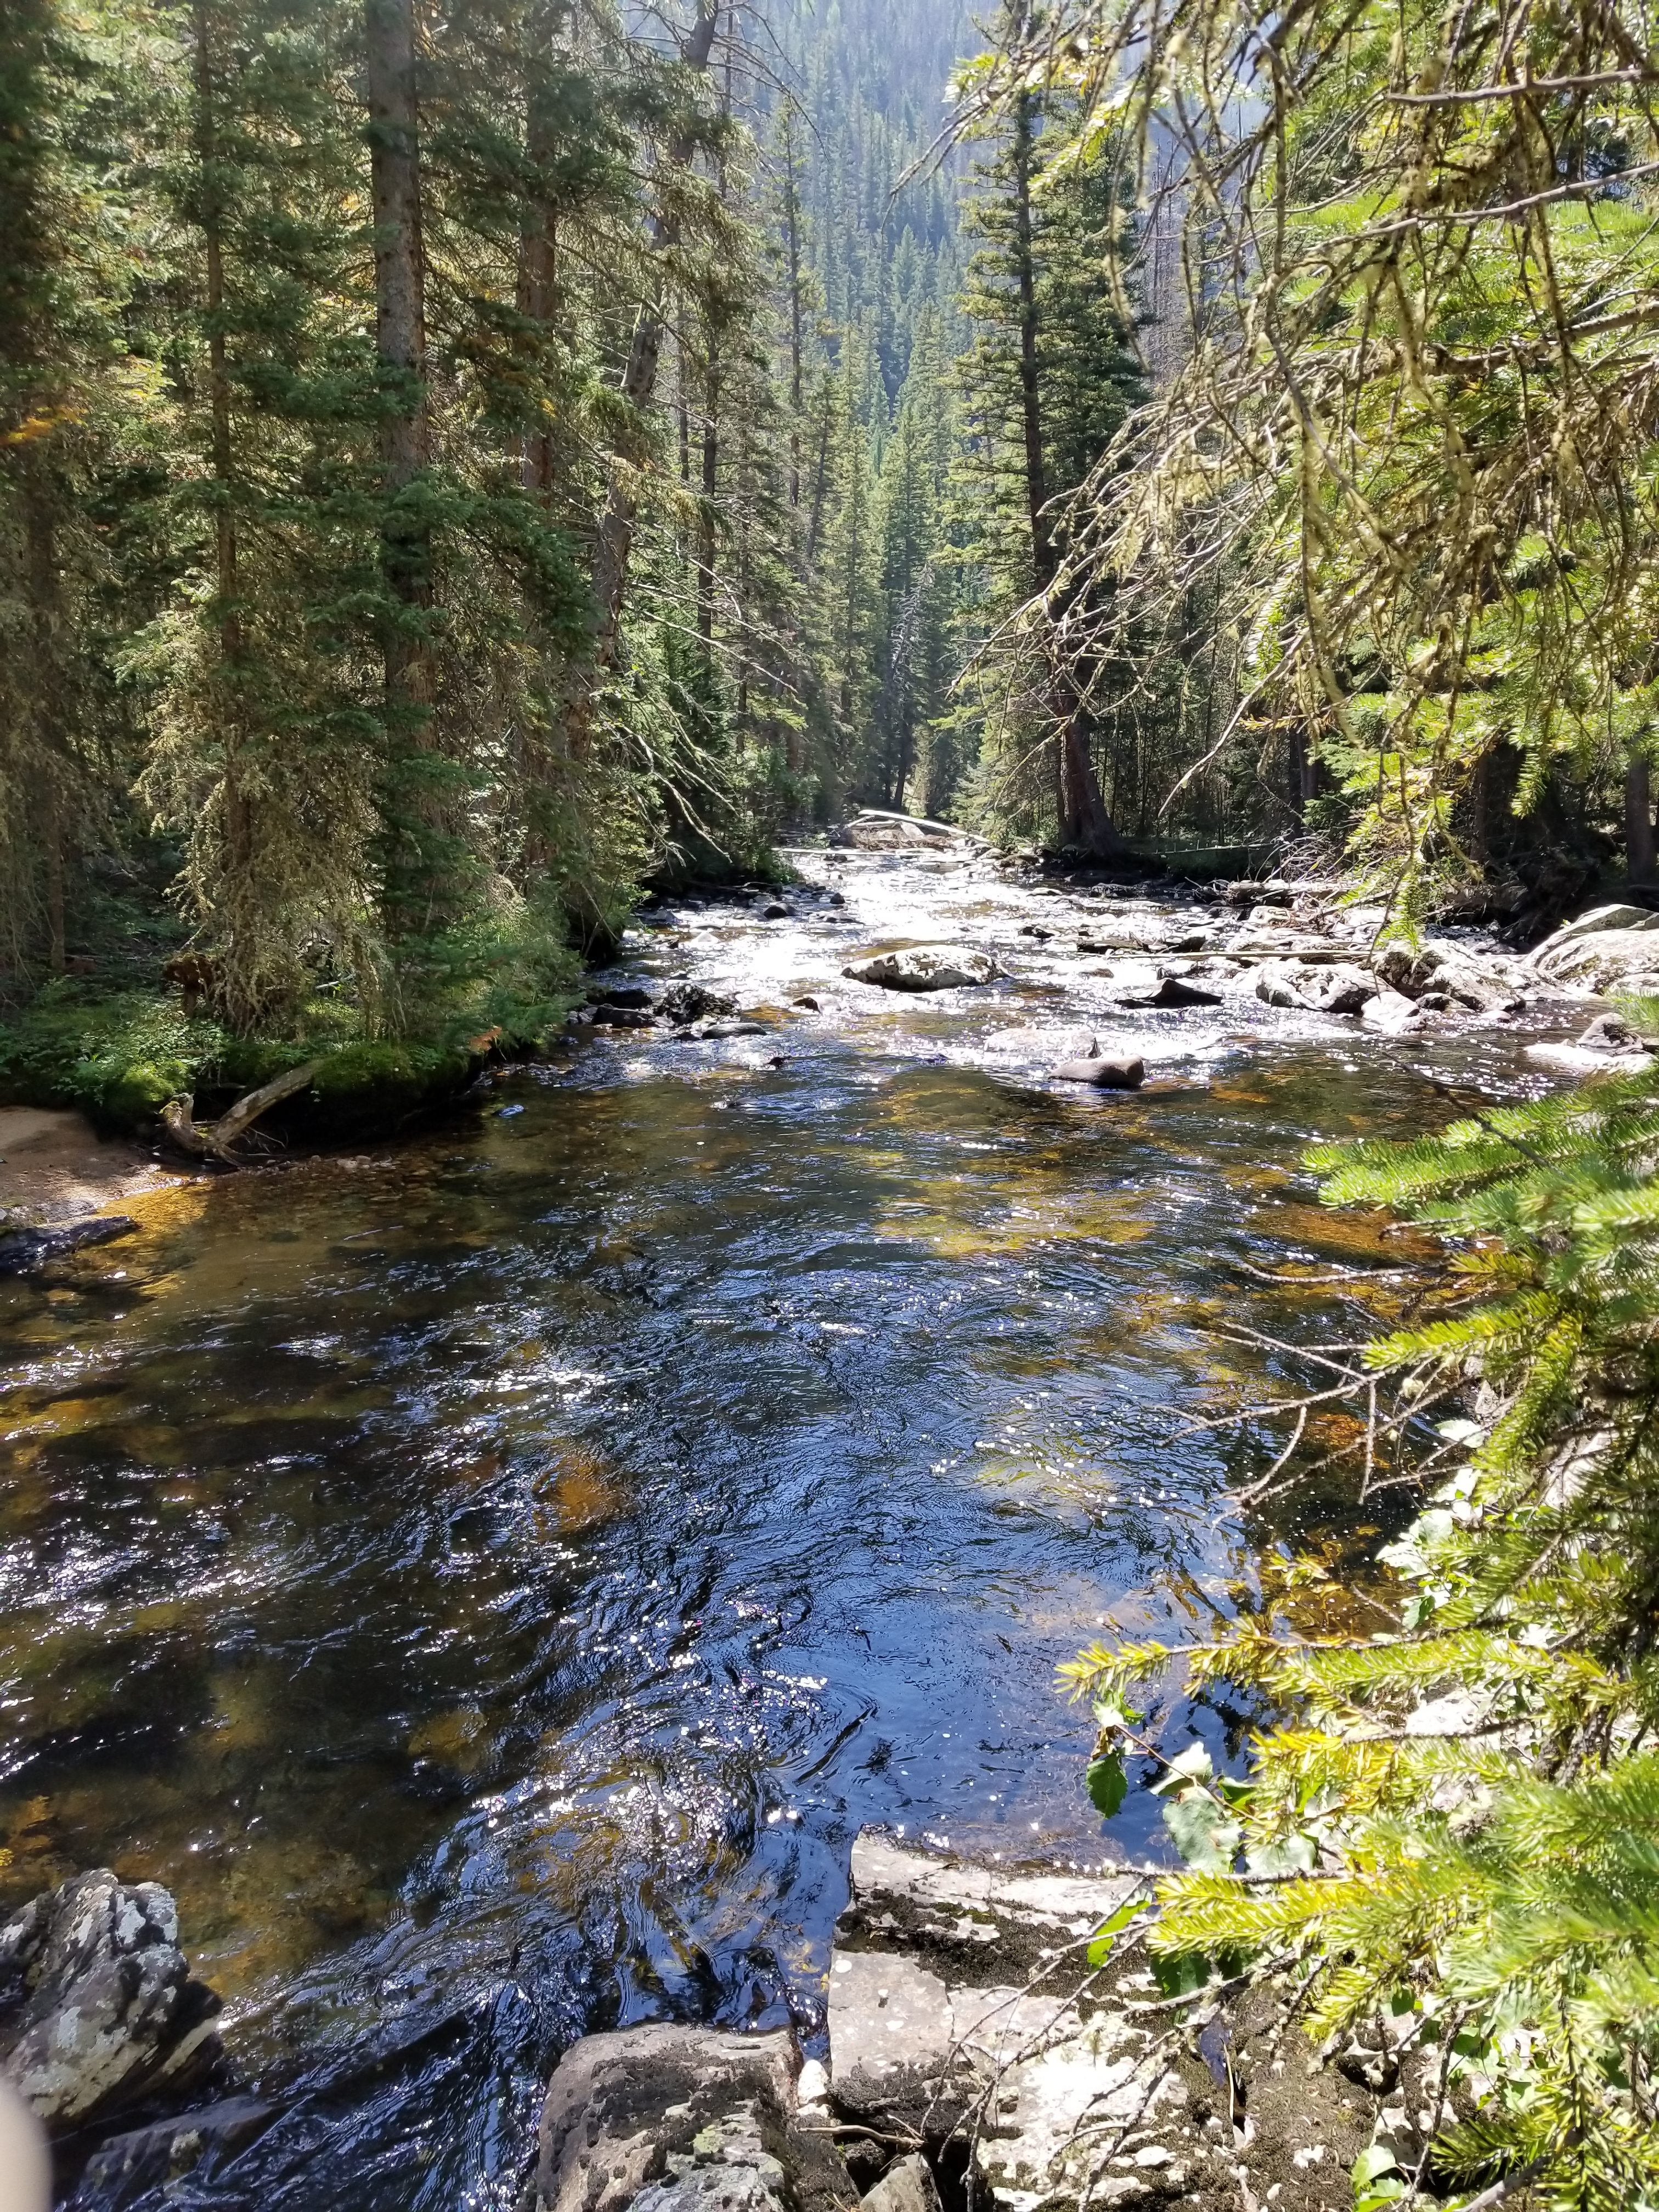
point(491, 1586)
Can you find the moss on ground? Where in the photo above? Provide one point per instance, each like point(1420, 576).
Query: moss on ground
point(120, 1056)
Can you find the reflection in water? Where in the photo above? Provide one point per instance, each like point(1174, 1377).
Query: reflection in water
point(489, 1584)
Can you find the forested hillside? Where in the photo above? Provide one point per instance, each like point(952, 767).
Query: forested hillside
point(456, 465)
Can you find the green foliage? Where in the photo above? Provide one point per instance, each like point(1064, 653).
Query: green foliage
point(1458, 1815)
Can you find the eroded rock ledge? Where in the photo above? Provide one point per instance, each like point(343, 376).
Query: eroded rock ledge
point(968, 2071)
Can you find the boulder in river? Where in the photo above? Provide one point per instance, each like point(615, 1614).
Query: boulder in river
point(875, 832)
point(1612, 948)
point(98, 2007)
point(1169, 991)
point(1607, 1047)
point(1104, 1070)
point(1393, 1014)
point(927, 967)
point(1451, 977)
point(693, 1002)
point(1342, 989)
point(953, 1995)
point(24, 1250)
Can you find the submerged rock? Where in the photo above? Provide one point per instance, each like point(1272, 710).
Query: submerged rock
point(927, 967)
point(155, 2156)
point(23, 1250)
point(98, 2008)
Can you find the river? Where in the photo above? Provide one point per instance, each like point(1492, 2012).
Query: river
point(490, 1579)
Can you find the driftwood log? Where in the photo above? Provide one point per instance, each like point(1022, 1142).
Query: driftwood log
point(214, 1140)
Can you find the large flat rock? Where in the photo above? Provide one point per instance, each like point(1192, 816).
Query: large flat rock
point(957, 2010)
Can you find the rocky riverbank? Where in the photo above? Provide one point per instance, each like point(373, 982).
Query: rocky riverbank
point(974, 2059)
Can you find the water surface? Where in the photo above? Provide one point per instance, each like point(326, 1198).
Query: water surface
point(490, 1582)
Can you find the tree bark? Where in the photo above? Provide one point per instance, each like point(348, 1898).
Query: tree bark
point(796, 336)
point(616, 537)
point(1638, 820)
point(239, 813)
point(1084, 820)
point(400, 340)
point(47, 688)
point(706, 511)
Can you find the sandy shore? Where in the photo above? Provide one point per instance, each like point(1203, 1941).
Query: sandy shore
point(54, 1167)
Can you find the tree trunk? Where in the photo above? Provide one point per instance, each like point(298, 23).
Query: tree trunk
point(706, 511)
point(1638, 820)
point(400, 339)
point(1302, 772)
point(1084, 820)
point(46, 687)
point(797, 343)
point(239, 813)
point(616, 537)
point(539, 294)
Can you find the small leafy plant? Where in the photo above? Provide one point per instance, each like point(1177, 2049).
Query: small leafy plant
point(1454, 1822)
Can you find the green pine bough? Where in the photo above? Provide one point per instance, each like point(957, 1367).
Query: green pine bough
point(1455, 1822)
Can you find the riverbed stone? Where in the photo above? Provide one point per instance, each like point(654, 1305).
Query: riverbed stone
point(155, 2156)
point(672, 2118)
point(1316, 988)
point(908, 2185)
point(953, 2010)
point(98, 2006)
point(1623, 958)
point(927, 967)
point(1103, 1071)
point(1168, 990)
point(1393, 1014)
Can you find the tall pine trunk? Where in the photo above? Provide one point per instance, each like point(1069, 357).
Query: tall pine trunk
point(1084, 820)
point(616, 537)
point(238, 806)
point(1638, 821)
point(400, 339)
point(710, 478)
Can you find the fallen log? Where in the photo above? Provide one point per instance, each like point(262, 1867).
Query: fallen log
point(214, 1140)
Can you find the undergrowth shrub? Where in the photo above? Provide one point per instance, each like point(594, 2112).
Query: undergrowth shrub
point(1455, 1820)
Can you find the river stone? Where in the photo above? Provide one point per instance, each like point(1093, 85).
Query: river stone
point(952, 1994)
point(908, 2185)
point(1393, 1014)
point(23, 1250)
point(98, 2008)
point(1591, 925)
point(876, 832)
point(1169, 991)
point(1034, 1044)
point(1103, 1071)
point(155, 2156)
point(925, 967)
point(1604, 960)
point(1588, 1060)
point(672, 2119)
point(1343, 989)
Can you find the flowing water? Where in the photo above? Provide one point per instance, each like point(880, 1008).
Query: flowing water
point(490, 1582)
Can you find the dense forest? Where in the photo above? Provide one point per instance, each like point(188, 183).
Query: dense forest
point(459, 466)
point(462, 465)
